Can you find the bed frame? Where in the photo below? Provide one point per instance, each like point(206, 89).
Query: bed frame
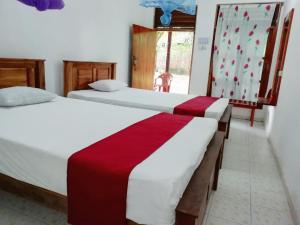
point(78, 74)
point(224, 122)
point(22, 72)
point(190, 210)
point(192, 206)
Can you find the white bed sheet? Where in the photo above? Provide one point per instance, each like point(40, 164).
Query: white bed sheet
point(36, 142)
point(145, 99)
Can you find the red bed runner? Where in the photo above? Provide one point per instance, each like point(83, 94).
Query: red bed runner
point(98, 175)
point(196, 106)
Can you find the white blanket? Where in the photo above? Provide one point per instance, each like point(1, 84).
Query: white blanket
point(145, 99)
point(36, 142)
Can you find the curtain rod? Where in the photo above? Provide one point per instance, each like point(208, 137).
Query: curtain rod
point(252, 3)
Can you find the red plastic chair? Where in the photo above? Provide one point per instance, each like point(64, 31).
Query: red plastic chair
point(165, 84)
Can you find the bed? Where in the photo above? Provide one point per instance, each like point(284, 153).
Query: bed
point(79, 74)
point(35, 148)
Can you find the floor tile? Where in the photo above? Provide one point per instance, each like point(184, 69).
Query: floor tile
point(264, 216)
point(231, 210)
point(262, 156)
point(232, 145)
point(238, 137)
point(237, 165)
point(12, 217)
point(31, 209)
point(270, 200)
point(217, 221)
point(265, 186)
point(264, 170)
point(238, 154)
point(235, 194)
point(234, 179)
point(259, 144)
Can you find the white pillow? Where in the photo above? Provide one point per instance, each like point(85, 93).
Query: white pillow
point(17, 96)
point(108, 85)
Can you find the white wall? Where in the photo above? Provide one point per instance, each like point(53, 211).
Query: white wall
point(84, 30)
point(285, 133)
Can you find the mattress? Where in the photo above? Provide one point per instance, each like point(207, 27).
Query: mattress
point(36, 142)
point(145, 99)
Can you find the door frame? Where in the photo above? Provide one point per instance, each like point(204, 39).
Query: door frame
point(168, 59)
point(183, 29)
point(284, 42)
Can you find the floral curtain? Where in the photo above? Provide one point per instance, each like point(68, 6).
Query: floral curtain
point(241, 38)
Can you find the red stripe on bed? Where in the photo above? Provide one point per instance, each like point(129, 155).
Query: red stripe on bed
point(98, 175)
point(195, 107)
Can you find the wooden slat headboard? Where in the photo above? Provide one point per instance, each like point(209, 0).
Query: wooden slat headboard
point(79, 74)
point(22, 72)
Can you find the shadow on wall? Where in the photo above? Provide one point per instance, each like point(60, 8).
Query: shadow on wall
point(54, 75)
point(269, 118)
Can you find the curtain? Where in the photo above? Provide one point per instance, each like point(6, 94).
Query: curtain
point(240, 43)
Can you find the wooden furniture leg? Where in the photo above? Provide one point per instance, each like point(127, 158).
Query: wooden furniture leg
point(228, 128)
point(248, 105)
point(221, 155)
point(224, 122)
point(252, 116)
point(218, 168)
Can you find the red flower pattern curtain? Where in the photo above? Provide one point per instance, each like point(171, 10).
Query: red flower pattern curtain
point(240, 45)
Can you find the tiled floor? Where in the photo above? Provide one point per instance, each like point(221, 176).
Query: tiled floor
point(250, 190)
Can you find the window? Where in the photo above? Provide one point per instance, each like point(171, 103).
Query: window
point(179, 20)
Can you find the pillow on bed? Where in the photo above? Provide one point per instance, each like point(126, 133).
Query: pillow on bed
point(17, 96)
point(108, 85)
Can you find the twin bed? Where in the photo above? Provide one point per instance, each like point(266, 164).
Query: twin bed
point(171, 186)
point(78, 75)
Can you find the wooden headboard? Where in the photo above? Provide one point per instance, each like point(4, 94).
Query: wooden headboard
point(79, 74)
point(22, 72)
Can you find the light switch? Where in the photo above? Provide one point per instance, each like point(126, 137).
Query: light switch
point(203, 43)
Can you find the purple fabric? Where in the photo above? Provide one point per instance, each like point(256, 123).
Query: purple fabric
point(43, 5)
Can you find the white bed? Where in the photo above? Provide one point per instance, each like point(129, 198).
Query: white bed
point(145, 99)
point(36, 142)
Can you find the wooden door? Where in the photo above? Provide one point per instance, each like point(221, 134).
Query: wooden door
point(281, 57)
point(143, 57)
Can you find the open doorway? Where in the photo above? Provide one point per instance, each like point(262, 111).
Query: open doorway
point(174, 55)
point(162, 57)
